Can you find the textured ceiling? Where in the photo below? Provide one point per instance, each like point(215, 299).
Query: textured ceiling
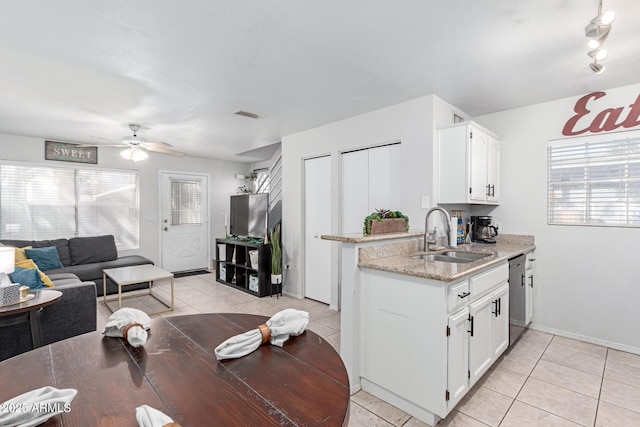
point(78, 71)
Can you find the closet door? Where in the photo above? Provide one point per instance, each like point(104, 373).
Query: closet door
point(368, 184)
point(355, 190)
point(317, 221)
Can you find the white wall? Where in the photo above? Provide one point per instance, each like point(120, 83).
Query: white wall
point(222, 183)
point(413, 123)
point(587, 279)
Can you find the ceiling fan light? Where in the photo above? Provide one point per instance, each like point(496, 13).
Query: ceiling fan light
point(593, 44)
point(608, 17)
point(598, 54)
point(138, 155)
point(126, 154)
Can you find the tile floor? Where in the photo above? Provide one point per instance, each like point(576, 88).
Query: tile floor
point(543, 380)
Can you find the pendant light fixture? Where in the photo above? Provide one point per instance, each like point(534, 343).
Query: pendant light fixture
point(597, 31)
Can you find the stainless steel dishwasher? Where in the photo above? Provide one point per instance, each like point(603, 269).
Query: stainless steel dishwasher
point(517, 298)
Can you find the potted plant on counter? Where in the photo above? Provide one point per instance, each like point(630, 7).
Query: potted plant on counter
point(385, 221)
point(276, 256)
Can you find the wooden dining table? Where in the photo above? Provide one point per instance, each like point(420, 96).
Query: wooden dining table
point(304, 383)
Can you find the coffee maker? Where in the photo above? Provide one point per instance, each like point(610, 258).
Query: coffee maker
point(481, 229)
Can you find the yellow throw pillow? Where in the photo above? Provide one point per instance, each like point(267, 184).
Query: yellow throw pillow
point(30, 264)
point(20, 255)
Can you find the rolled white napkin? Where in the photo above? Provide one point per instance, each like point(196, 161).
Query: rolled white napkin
point(130, 321)
point(151, 417)
point(36, 406)
point(282, 325)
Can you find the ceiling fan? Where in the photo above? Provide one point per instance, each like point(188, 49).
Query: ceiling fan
point(136, 146)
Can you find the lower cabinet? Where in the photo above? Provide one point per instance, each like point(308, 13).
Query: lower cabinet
point(489, 326)
point(446, 335)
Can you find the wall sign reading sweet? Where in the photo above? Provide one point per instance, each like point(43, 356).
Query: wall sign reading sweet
point(586, 120)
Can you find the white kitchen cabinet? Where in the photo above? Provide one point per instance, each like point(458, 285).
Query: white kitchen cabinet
point(480, 343)
point(468, 165)
point(500, 325)
point(458, 356)
point(528, 286)
point(418, 353)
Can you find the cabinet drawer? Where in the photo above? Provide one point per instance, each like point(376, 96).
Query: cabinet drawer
point(529, 261)
point(484, 282)
point(458, 295)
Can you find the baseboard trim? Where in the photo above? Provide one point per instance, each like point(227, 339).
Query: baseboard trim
point(585, 338)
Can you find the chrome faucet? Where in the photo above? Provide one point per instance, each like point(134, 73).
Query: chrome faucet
point(426, 226)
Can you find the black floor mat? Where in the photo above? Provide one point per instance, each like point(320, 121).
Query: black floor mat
point(190, 273)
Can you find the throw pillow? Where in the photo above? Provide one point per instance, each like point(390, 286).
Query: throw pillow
point(28, 277)
point(30, 264)
point(20, 255)
point(45, 258)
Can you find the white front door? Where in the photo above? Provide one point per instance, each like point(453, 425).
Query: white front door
point(184, 219)
point(317, 221)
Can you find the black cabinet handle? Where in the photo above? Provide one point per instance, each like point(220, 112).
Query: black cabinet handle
point(531, 283)
point(464, 295)
point(495, 307)
point(499, 306)
point(471, 320)
point(488, 190)
point(522, 281)
point(493, 190)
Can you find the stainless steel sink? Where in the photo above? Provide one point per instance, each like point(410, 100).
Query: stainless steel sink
point(465, 255)
point(451, 256)
point(441, 258)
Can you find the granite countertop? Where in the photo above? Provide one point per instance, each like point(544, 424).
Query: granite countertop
point(359, 238)
point(402, 263)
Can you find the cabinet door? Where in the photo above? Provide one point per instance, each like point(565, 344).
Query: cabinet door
point(480, 342)
point(500, 330)
point(528, 295)
point(479, 148)
point(458, 356)
point(493, 169)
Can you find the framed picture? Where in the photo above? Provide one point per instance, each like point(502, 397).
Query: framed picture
point(66, 152)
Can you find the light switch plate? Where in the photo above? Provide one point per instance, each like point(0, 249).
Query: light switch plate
point(426, 203)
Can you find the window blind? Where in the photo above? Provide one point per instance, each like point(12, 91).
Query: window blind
point(594, 182)
point(185, 202)
point(43, 203)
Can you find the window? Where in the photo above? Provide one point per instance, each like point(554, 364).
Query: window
point(262, 180)
point(40, 203)
point(185, 202)
point(594, 182)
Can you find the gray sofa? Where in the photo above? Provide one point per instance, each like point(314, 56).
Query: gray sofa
point(73, 314)
point(86, 257)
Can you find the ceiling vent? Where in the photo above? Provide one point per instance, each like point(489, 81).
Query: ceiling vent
point(247, 114)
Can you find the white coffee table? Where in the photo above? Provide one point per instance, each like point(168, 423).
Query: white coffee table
point(124, 276)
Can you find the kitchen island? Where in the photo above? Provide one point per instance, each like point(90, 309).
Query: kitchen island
point(420, 333)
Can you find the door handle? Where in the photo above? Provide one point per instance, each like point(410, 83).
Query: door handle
point(522, 281)
point(470, 318)
point(166, 229)
point(464, 295)
point(500, 306)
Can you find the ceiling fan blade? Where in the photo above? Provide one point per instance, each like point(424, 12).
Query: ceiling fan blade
point(101, 145)
point(106, 139)
point(147, 144)
point(163, 150)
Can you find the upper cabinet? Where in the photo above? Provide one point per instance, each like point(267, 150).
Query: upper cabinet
point(468, 165)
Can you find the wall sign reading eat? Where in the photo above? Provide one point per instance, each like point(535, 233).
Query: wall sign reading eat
point(65, 152)
point(606, 120)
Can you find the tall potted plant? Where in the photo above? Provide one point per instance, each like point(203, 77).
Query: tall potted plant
point(276, 256)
